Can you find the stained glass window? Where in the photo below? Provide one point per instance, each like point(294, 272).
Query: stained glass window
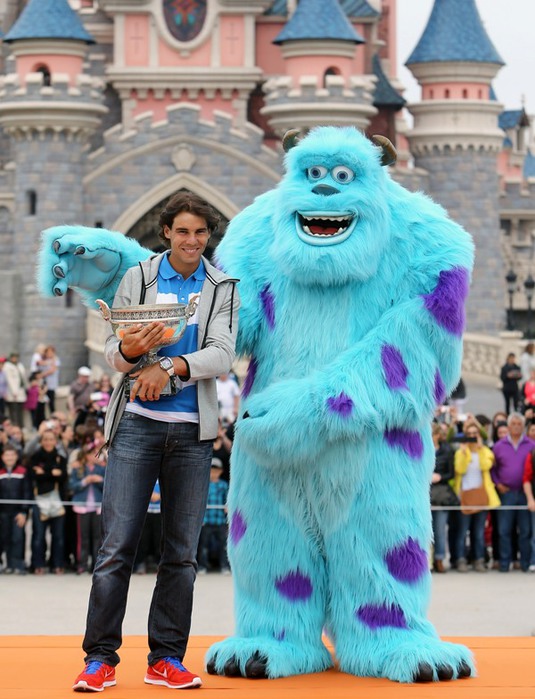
point(185, 18)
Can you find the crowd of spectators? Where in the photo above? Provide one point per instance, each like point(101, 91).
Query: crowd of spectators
point(483, 486)
point(52, 467)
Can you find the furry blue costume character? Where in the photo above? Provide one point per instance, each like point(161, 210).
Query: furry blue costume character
point(352, 312)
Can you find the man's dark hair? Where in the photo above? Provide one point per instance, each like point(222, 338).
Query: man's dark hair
point(187, 201)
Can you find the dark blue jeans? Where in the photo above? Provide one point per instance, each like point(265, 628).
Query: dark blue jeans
point(440, 522)
point(12, 538)
point(142, 451)
point(507, 520)
point(57, 545)
point(476, 524)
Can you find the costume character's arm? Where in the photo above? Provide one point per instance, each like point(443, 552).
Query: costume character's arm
point(90, 260)
point(250, 230)
point(390, 381)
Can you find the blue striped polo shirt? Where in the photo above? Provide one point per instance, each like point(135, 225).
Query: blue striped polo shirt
point(173, 288)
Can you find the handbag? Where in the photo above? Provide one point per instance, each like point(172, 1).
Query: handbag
point(474, 496)
point(442, 494)
point(49, 505)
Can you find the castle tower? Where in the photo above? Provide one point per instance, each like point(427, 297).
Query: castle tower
point(324, 80)
point(456, 139)
point(49, 108)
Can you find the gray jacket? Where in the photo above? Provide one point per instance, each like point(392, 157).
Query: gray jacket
point(218, 328)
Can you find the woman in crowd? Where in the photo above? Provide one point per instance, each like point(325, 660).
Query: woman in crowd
point(472, 464)
point(441, 495)
point(50, 371)
point(86, 483)
point(49, 474)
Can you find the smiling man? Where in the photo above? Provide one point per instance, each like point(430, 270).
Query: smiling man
point(156, 434)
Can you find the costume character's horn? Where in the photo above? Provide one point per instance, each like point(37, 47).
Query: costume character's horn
point(290, 139)
point(389, 152)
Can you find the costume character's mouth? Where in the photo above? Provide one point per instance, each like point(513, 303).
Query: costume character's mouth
point(324, 228)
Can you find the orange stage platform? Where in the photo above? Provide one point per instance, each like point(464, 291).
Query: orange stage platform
point(45, 667)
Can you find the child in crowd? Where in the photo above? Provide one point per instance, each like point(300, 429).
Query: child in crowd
point(86, 483)
point(214, 530)
point(15, 484)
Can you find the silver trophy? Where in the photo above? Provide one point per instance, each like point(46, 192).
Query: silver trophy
point(175, 318)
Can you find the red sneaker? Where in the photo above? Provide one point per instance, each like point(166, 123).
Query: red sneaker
point(95, 677)
point(171, 673)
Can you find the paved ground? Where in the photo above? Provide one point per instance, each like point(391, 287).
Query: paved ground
point(471, 604)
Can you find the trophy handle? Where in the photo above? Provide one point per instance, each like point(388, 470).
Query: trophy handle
point(104, 309)
point(192, 306)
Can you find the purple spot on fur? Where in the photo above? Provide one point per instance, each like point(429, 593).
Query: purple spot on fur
point(294, 586)
point(394, 367)
point(440, 389)
point(268, 304)
point(341, 404)
point(218, 264)
point(446, 302)
point(407, 562)
point(280, 636)
point(377, 616)
point(237, 528)
point(249, 379)
point(408, 440)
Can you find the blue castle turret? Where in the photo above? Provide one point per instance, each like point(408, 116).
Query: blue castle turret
point(319, 19)
point(456, 138)
point(49, 110)
point(318, 45)
point(48, 19)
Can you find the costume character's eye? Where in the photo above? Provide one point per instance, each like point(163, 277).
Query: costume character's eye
point(316, 172)
point(342, 174)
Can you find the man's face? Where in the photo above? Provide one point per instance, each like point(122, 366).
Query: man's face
point(188, 237)
point(516, 427)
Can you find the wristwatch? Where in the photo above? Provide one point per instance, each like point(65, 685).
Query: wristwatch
point(166, 363)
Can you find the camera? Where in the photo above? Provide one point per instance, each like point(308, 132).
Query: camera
point(462, 439)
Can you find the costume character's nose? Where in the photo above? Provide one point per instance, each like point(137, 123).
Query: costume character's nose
point(325, 190)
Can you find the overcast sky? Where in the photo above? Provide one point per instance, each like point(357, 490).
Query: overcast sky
point(510, 25)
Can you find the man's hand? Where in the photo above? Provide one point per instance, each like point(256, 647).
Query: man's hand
point(20, 519)
point(435, 478)
point(150, 382)
point(501, 488)
point(139, 339)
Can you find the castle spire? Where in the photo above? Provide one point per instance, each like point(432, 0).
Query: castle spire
point(455, 32)
point(48, 19)
point(319, 19)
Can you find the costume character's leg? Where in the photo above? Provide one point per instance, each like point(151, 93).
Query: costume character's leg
point(379, 574)
point(279, 577)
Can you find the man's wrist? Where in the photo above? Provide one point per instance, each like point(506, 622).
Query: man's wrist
point(182, 369)
point(130, 360)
